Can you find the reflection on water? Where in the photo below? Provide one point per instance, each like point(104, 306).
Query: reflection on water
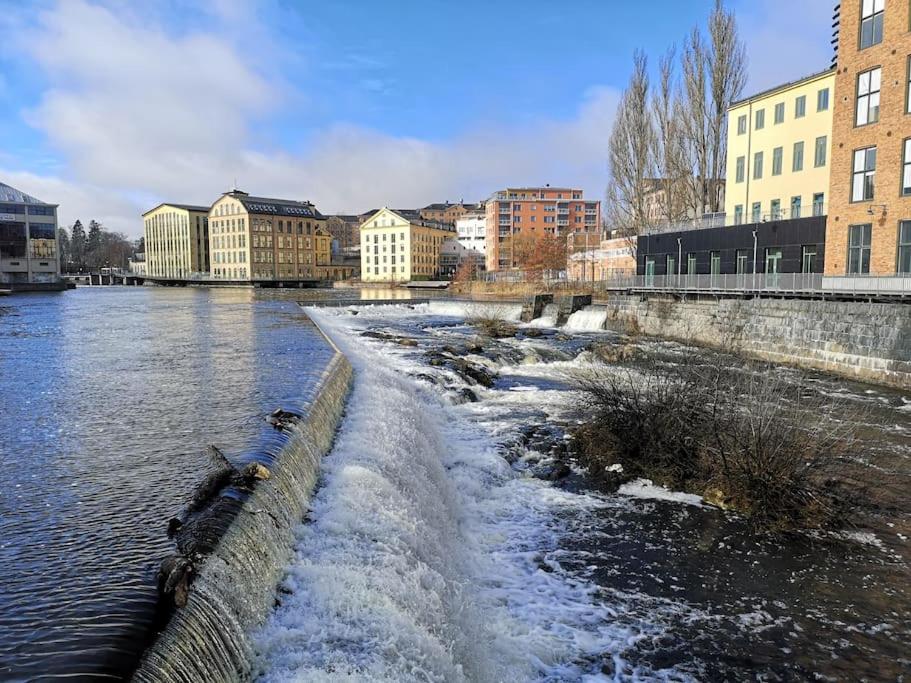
point(108, 398)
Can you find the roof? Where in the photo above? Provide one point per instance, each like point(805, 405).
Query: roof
point(185, 207)
point(11, 194)
point(273, 206)
point(783, 86)
point(413, 216)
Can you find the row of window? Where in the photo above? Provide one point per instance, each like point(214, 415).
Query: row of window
point(800, 110)
point(797, 162)
point(775, 212)
point(743, 262)
point(860, 243)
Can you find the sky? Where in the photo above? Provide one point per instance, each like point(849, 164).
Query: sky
point(110, 107)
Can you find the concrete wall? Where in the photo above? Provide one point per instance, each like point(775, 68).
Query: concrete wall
point(864, 341)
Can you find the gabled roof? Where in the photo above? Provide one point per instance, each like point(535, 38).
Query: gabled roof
point(185, 207)
point(413, 216)
point(11, 194)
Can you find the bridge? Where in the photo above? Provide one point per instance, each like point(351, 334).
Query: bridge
point(122, 278)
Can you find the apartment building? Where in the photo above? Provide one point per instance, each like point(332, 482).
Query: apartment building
point(779, 151)
point(471, 228)
point(400, 246)
point(176, 241)
point(448, 213)
point(869, 223)
point(517, 217)
point(262, 239)
point(29, 253)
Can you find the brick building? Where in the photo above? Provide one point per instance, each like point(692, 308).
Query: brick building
point(869, 222)
point(448, 213)
point(518, 217)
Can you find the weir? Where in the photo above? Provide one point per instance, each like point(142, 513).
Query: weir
point(209, 638)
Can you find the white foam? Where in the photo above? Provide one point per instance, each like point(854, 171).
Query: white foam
point(423, 559)
point(644, 488)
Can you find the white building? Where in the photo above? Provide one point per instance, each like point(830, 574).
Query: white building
point(472, 231)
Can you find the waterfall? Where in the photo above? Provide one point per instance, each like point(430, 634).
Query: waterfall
point(589, 319)
point(548, 317)
point(209, 638)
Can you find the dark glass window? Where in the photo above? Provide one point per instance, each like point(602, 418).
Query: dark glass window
point(904, 247)
point(36, 210)
point(863, 174)
point(859, 238)
point(871, 22)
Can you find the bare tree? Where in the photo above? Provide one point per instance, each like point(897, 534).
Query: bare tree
point(631, 152)
point(694, 118)
point(669, 159)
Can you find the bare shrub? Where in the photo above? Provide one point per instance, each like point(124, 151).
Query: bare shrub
point(742, 436)
point(492, 321)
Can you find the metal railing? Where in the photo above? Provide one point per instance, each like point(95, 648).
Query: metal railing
point(722, 220)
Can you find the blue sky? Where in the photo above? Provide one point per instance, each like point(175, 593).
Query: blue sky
point(112, 106)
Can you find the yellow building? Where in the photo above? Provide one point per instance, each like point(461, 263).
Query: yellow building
point(177, 241)
point(400, 246)
point(779, 149)
point(260, 239)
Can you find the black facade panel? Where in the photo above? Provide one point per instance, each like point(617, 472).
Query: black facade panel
point(788, 235)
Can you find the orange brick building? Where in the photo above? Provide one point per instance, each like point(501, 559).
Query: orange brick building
point(448, 213)
point(869, 222)
point(518, 217)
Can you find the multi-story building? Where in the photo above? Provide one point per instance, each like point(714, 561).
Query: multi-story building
point(261, 239)
point(779, 149)
point(448, 213)
point(472, 231)
point(345, 232)
point(29, 253)
point(176, 241)
point(400, 246)
point(613, 258)
point(516, 218)
point(869, 222)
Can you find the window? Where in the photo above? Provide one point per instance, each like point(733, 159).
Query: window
point(741, 170)
point(743, 260)
point(859, 248)
point(906, 170)
point(756, 212)
point(871, 22)
point(819, 204)
point(742, 124)
point(868, 86)
point(773, 260)
point(760, 119)
point(908, 84)
point(795, 207)
point(800, 107)
point(776, 209)
point(757, 166)
point(715, 263)
point(863, 174)
point(777, 156)
point(819, 156)
point(779, 112)
point(904, 247)
point(822, 100)
point(738, 214)
point(808, 258)
point(670, 265)
point(691, 263)
point(797, 162)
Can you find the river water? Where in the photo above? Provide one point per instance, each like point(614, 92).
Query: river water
point(108, 399)
point(439, 549)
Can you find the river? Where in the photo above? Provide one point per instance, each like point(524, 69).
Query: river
point(109, 397)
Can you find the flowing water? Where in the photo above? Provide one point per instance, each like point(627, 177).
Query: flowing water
point(108, 399)
point(440, 549)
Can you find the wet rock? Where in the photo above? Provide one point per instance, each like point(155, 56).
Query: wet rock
point(406, 341)
point(532, 332)
point(559, 471)
point(175, 574)
point(473, 372)
point(466, 395)
point(282, 419)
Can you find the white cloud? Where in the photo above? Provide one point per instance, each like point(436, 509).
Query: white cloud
point(138, 110)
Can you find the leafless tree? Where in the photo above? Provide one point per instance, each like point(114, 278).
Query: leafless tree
point(694, 118)
point(631, 152)
point(668, 144)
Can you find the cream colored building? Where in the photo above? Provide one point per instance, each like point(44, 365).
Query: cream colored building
point(779, 151)
point(400, 246)
point(177, 241)
point(260, 239)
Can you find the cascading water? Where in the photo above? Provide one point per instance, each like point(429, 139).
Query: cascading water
point(589, 319)
point(548, 317)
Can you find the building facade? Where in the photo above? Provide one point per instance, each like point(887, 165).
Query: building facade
point(516, 218)
point(448, 213)
point(29, 253)
point(779, 152)
point(869, 227)
point(400, 246)
point(262, 239)
point(177, 241)
point(472, 231)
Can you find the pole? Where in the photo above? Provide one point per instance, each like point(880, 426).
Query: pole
point(755, 256)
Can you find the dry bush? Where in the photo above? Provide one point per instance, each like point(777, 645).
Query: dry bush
point(492, 321)
point(742, 436)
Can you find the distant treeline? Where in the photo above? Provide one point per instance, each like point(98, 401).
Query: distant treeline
point(82, 251)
